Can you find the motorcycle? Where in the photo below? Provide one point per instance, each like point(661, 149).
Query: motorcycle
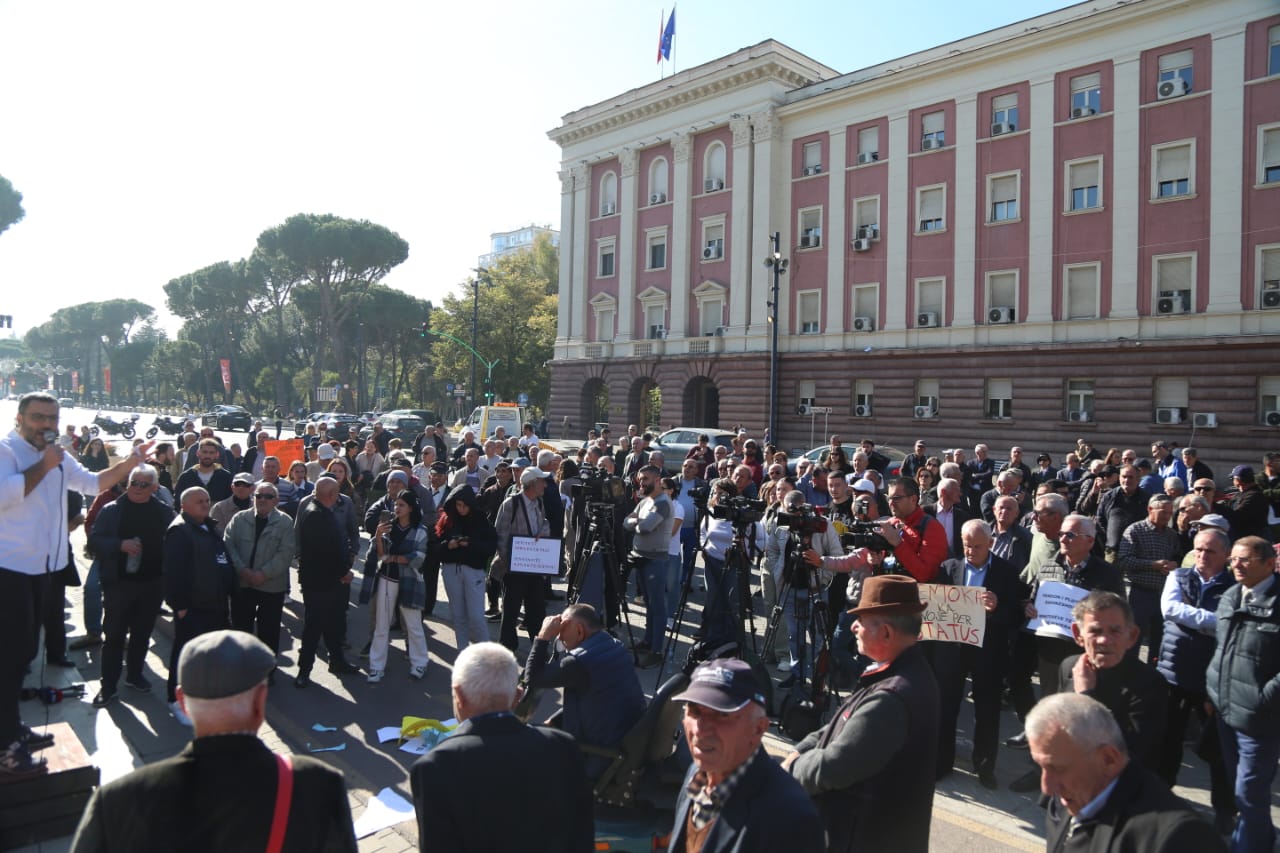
point(112, 427)
point(170, 426)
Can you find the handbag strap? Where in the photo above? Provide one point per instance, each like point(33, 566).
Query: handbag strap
point(284, 797)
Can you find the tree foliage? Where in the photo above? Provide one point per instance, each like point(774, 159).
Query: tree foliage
point(11, 211)
point(93, 335)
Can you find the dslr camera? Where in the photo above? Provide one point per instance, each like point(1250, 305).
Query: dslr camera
point(739, 511)
point(805, 520)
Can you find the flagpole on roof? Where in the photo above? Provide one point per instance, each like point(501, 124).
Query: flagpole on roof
point(662, 23)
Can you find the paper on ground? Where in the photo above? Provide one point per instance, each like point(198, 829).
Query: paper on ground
point(386, 809)
point(387, 733)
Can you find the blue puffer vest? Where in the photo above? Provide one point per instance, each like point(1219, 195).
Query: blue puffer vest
point(615, 700)
point(1184, 652)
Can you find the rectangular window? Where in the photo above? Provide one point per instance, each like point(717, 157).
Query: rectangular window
point(812, 158)
point(1080, 400)
point(657, 252)
point(930, 302)
point(1004, 113)
point(806, 393)
point(926, 398)
point(809, 312)
point(866, 218)
point(1269, 155)
point(655, 318)
point(712, 315)
point(931, 205)
point(1171, 399)
point(866, 306)
point(811, 228)
point(1084, 182)
point(1177, 65)
point(1002, 190)
point(1002, 297)
point(1269, 272)
point(1173, 167)
point(713, 241)
point(604, 324)
point(868, 144)
point(864, 398)
point(1080, 302)
point(605, 266)
point(1269, 400)
point(1174, 284)
point(933, 132)
point(1000, 398)
point(1086, 95)
point(1273, 50)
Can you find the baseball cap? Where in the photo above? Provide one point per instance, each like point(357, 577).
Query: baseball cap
point(398, 475)
point(243, 477)
point(439, 468)
point(521, 462)
point(326, 451)
point(1212, 520)
point(1243, 472)
point(865, 485)
point(724, 685)
point(530, 474)
point(223, 663)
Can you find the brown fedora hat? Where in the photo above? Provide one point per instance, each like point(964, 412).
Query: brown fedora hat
point(886, 594)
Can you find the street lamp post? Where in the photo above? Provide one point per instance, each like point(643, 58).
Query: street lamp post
point(778, 264)
point(481, 277)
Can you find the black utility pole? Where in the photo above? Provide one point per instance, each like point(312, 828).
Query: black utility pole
point(778, 264)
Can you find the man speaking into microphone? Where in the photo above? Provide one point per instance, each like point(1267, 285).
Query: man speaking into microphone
point(35, 474)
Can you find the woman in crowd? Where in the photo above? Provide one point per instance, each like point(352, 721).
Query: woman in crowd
point(675, 556)
point(464, 542)
point(838, 462)
point(752, 459)
point(301, 487)
point(1113, 457)
point(401, 543)
point(340, 470)
point(95, 456)
point(720, 612)
point(927, 479)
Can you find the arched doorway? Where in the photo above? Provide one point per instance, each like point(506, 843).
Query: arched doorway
point(644, 404)
point(701, 403)
point(594, 404)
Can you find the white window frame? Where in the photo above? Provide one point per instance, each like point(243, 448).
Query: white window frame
point(869, 141)
point(715, 168)
point(805, 325)
point(864, 394)
point(659, 183)
point(938, 133)
point(808, 222)
point(858, 294)
point(811, 155)
point(929, 283)
point(1156, 151)
point(1268, 397)
point(1086, 91)
point(998, 399)
point(1265, 251)
point(1263, 162)
point(942, 221)
point(653, 299)
point(608, 193)
point(1157, 262)
point(1069, 186)
point(711, 298)
point(1003, 111)
point(988, 281)
point(928, 392)
point(992, 201)
point(806, 393)
point(652, 238)
point(1177, 63)
point(605, 307)
point(606, 246)
point(709, 227)
point(1273, 50)
point(1066, 290)
point(858, 224)
point(1081, 398)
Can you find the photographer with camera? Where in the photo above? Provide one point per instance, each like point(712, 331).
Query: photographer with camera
point(727, 511)
point(650, 524)
point(800, 531)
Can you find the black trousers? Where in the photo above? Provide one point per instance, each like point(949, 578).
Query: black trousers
point(186, 629)
point(1182, 704)
point(951, 667)
point(1051, 652)
point(21, 604)
point(1023, 660)
point(431, 583)
point(325, 617)
point(55, 619)
point(130, 609)
point(256, 612)
point(527, 590)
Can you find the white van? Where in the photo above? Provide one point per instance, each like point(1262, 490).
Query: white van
point(485, 420)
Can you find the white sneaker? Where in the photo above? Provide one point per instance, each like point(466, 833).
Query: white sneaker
point(180, 715)
point(375, 675)
point(416, 672)
point(784, 666)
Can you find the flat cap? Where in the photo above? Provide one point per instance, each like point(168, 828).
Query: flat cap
point(223, 663)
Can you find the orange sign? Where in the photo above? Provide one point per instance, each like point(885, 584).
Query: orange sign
point(287, 450)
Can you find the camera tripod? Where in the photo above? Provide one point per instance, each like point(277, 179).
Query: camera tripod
point(594, 548)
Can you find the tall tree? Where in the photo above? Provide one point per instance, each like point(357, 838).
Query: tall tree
point(11, 211)
point(89, 335)
point(216, 302)
point(336, 261)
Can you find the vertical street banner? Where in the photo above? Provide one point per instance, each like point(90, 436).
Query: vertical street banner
point(106, 379)
point(226, 373)
point(75, 381)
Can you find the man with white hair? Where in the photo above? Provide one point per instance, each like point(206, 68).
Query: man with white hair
point(950, 513)
point(1098, 798)
point(535, 773)
point(227, 769)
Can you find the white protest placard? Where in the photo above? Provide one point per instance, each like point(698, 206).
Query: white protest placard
point(535, 556)
point(1054, 601)
point(952, 614)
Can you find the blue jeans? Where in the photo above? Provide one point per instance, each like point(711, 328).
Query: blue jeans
point(688, 548)
point(654, 572)
point(93, 601)
point(1251, 765)
point(793, 633)
point(674, 563)
point(718, 617)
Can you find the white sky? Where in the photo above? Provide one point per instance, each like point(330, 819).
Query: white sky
point(150, 139)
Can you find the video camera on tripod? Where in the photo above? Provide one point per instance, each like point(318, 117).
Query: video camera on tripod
point(863, 533)
point(598, 486)
point(738, 511)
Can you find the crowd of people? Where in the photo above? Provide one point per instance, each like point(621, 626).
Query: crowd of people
point(1163, 561)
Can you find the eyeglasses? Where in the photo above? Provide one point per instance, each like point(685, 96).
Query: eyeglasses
point(139, 484)
point(1203, 489)
point(241, 485)
point(1068, 535)
point(264, 497)
point(893, 499)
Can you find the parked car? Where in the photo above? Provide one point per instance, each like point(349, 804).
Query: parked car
point(402, 426)
point(427, 415)
point(66, 402)
point(675, 444)
point(227, 418)
point(339, 425)
point(819, 455)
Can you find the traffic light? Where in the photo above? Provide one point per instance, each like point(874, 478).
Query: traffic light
point(425, 331)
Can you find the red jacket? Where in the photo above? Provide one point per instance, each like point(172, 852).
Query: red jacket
point(918, 558)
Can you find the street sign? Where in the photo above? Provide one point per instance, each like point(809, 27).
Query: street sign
point(522, 399)
point(460, 393)
point(449, 387)
point(819, 410)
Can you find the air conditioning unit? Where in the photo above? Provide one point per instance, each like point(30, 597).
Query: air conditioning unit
point(811, 239)
point(714, 250)
point(1174, 87)
point(1204, 420)
point(868, 157)
point(862, 411)
point(802, 410)
point(608, 209)
point(1271, 419)
point(1080, 417)
point(923, 412)
point(713, 184)
point(1081, 112)
point(927, 319)
point(1271, 293)
point(1169, 415)
point(862, 244)
point(721, 331)
point(864, 324)
point(657, 198)
point(929, 143)
point(812, 170)
point(867, 232)
point(1000, 314)
point(657, 333)
point(1174, 302)
point(1002, 127)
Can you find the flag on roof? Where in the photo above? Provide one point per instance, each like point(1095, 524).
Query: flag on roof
point(668, 36)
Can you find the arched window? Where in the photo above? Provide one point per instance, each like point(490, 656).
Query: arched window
point(713, 168)
point(608, 194)
point(658, 180)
